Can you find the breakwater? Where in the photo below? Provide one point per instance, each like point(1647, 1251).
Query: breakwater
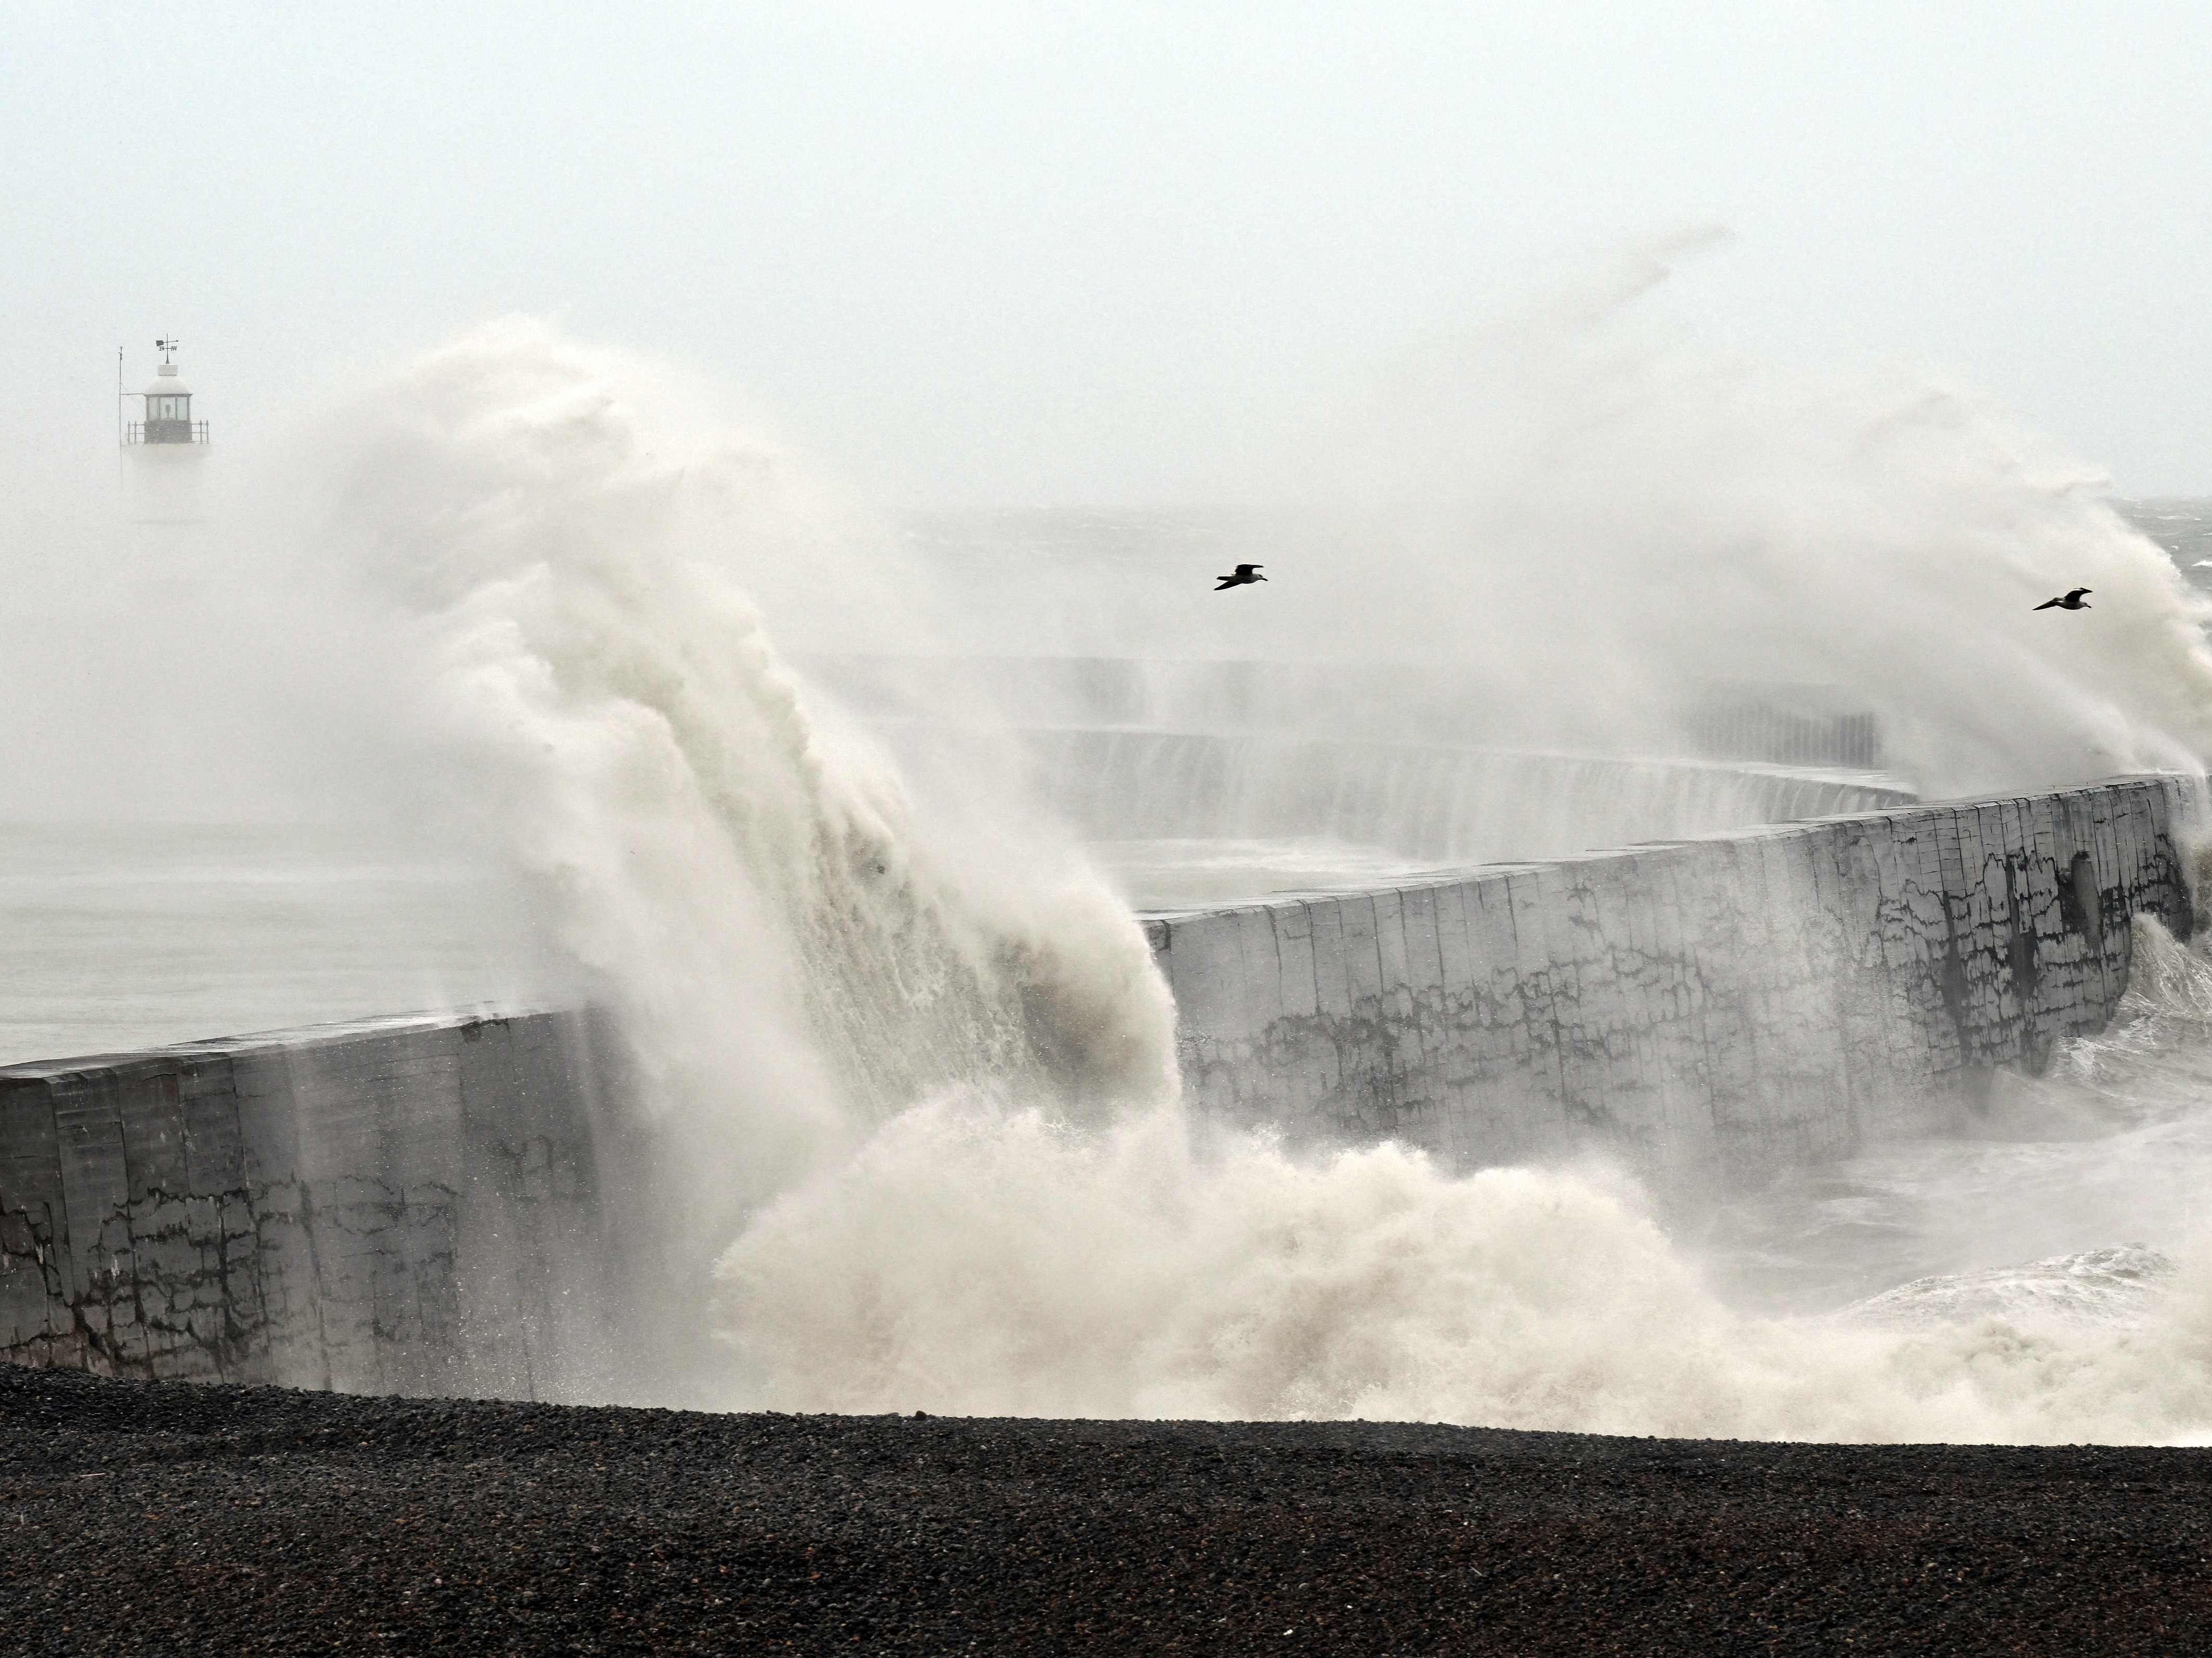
point(451, 1204)
point(1450, 804)
point(398, 1205)
point(1740, 1002)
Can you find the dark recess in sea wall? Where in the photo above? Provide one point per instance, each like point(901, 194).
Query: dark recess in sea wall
point(1741, 1002)
point(400, 1205)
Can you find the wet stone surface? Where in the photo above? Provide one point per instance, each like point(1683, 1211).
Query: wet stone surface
point(175, 1518)
point(1747, 1003)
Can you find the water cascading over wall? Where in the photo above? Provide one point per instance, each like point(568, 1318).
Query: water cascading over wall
point(1268, 751)
point(1433, 703)
point(1446, 803)
point(1740, 1002)
point(449, 1204)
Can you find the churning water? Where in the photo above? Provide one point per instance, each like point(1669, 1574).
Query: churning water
point(2043, 1281)
point(899, 1036)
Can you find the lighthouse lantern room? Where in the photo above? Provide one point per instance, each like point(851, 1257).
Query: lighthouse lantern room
point(164, 451)
point(168, 413)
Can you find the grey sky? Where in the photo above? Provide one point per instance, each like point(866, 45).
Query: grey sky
point(986, 252)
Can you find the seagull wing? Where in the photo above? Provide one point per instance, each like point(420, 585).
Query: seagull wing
point(2048, 602)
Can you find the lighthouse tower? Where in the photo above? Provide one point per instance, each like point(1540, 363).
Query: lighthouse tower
point(165, 449)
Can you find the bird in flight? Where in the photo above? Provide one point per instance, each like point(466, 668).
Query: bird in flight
point(2071, 602)
point(1242, 574)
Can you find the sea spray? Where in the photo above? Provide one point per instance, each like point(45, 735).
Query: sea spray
point(930, 1093)
point(979, 1258)
point(977, 1261)
point(1584, 520)
point(794, 953)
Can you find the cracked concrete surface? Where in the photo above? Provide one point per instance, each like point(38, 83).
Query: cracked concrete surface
point(1737, 1002)
point(433, 1205)
point(401, 1205)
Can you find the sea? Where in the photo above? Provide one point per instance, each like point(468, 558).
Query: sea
point(2070, 1207)
point(115, 936)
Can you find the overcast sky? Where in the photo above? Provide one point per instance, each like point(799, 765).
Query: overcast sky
point(983, 252)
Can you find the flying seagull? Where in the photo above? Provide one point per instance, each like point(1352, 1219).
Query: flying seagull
point(1243, 573)
point(2071, 602)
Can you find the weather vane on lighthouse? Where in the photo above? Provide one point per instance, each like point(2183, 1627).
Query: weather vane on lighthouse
point(169, 411)
point(164, 445)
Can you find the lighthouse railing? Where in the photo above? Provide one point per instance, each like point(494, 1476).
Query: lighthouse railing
point(165, 431)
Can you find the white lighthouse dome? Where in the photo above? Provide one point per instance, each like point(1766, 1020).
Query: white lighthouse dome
point(167, 383)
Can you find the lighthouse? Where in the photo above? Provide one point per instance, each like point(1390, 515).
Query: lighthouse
point(165, 448)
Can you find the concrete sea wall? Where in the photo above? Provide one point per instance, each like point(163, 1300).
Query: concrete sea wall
point(451, 1204)
point(401, 1205)
point(1420, 800)
point(1741, 1002)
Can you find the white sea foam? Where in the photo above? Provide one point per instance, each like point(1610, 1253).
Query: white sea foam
point(978, 1259)
point(796, 947)
point(915, 1062)
point(2098, 1286)
point(973, 1260)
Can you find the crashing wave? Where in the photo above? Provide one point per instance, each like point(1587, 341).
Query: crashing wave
point(2112, 1284)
